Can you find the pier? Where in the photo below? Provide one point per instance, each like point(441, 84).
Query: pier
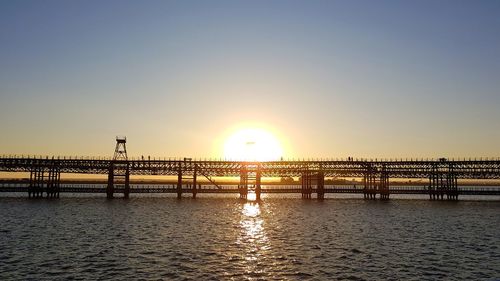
point(443, 175)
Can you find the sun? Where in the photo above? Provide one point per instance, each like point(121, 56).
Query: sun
point(252, 144)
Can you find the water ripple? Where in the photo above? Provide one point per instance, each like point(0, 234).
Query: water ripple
point(228, 239)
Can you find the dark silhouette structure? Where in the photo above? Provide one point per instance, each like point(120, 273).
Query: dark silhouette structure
point(119, 172)
point(443, 175)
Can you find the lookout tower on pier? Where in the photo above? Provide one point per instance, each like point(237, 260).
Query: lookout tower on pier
point(119, 170)
point(121, 148)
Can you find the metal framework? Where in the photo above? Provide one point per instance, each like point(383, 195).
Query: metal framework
point(443, 174)
point(250, 180)
point(119, 171)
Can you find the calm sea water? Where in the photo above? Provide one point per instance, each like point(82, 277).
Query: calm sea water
point(213, 238)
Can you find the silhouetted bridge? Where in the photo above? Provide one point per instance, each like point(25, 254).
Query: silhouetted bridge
point(442, 174)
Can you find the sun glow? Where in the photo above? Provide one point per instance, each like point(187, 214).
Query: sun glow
point(252, 145)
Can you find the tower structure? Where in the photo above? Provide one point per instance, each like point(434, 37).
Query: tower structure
point(119, 172)
point(120, 149)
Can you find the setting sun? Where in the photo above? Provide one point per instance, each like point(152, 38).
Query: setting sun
point(252, 145)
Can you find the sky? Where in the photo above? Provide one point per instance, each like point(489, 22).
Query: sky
point(355, 78)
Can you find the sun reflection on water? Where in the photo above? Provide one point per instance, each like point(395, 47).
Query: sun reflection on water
point(251, 209)
point(252, 239)
point(251, 196)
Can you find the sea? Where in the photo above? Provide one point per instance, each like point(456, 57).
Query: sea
point(225, 238)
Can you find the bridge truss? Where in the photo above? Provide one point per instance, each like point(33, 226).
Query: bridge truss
point(443, 174)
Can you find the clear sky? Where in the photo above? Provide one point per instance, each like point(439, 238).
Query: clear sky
point(329, 78)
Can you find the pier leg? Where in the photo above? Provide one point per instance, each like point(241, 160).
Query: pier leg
point(257, 185)
point(30, 187)
point(441, 186)
point(36, 187)
point(126, 190)
point(435, 190)
point(306, 185)
point(243, 191)
point(369, 191)
point(179, 184)
point(303, 183)
point(430, 187)
point(58, 184)
point(451, 186)
point(110, 189)
point(53, 182)
point(321, 186)
point(194, 183)
point(49, 188)
point(365, 187)
point(118, 175)
point(384, 186)
point(243, 187)
point(434, 186)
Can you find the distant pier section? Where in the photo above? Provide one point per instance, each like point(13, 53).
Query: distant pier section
point(443, 175)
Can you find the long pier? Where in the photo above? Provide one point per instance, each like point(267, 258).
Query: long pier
point(443, 175)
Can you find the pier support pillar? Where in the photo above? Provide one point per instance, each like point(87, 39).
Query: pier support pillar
point(179, 184)
point(436, 186)
point(119, 170)
point(306, 183)
point(452, 186)
point(257, 185)
point(383, 186)
point(370, 188)
point(53, 182)
point(194, 183)
point(36, 187)
point(110, 188)
point(431, 186)
point(118, 175)
point(320, 189)
point(126, 189)
point(441, 184)
point(250, 180)
point(243, 186)
point(455, 187)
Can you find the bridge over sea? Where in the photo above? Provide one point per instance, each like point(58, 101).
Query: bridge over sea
point(443, 175)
